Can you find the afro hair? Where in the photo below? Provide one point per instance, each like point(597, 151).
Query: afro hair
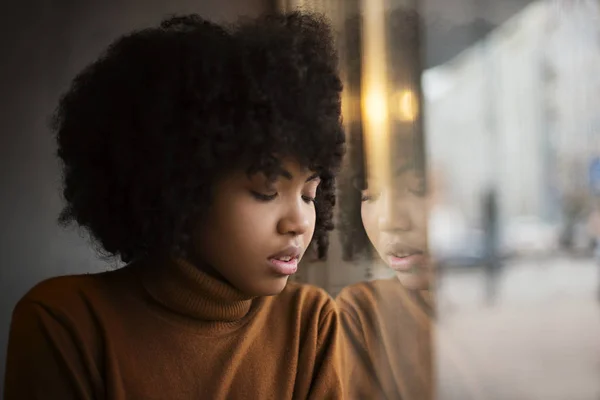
point(144, 131)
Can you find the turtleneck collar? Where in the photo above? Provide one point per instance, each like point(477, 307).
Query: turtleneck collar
point(185, 289)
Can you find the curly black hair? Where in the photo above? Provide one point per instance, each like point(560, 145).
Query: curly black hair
point(144, 131)
point(403, 34)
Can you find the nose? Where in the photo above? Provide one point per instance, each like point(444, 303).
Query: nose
point(296, 219)
point(397, 212)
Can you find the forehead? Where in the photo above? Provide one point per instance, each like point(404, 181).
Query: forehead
point(287, 168)
point(406, 151)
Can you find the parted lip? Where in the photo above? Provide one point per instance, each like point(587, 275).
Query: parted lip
point(289, 251)
point(401, 250)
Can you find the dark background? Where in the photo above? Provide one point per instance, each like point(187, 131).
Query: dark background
point(43, 44)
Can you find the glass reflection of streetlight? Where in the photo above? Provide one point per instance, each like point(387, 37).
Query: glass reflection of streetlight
point(407, 109)
point(375, 110)
point(374, 102)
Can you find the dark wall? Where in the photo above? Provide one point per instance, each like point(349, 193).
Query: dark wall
point(44, 43)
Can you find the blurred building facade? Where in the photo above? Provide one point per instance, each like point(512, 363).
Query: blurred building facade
point(515, 112)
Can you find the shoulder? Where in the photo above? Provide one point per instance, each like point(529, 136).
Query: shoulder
point(69, 299)
point(379, 303)
point(308, 299)
point(306, 307)
point(59, 290)
point(368, 295)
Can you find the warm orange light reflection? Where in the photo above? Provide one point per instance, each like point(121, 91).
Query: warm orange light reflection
point(407, 105)
point(375, 109)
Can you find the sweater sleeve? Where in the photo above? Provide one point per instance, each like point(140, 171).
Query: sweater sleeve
point(43, 358)
point(327, 376)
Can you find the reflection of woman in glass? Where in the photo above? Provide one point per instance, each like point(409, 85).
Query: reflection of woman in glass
point(387, 322)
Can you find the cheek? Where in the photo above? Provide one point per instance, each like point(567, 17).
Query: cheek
point(246, 223)
point(312, 221)
point(233, 226)
point(370, 222)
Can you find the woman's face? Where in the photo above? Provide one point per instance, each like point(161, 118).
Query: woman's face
point(395, 219)
point(258, 229)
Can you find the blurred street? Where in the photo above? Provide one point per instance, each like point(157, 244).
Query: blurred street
point(540, 339)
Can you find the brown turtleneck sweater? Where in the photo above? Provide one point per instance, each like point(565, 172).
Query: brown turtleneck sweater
point(387, 342)
point(169, 331)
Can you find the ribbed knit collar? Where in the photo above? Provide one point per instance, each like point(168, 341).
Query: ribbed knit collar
point(187, 290)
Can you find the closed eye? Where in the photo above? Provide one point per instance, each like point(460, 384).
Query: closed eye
point(308, 199)
point(419, 191)
point(263, 197)
point(367, 196)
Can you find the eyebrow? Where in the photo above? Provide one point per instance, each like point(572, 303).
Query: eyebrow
point(406, 167)
point(286, 174)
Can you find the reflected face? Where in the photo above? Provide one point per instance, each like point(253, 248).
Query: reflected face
point(257, 228)
point(395, 219)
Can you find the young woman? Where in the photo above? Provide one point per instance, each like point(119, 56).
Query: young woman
point(204, 158)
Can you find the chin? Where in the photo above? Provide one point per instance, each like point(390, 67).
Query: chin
point(270, 287)
point(414, 281)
